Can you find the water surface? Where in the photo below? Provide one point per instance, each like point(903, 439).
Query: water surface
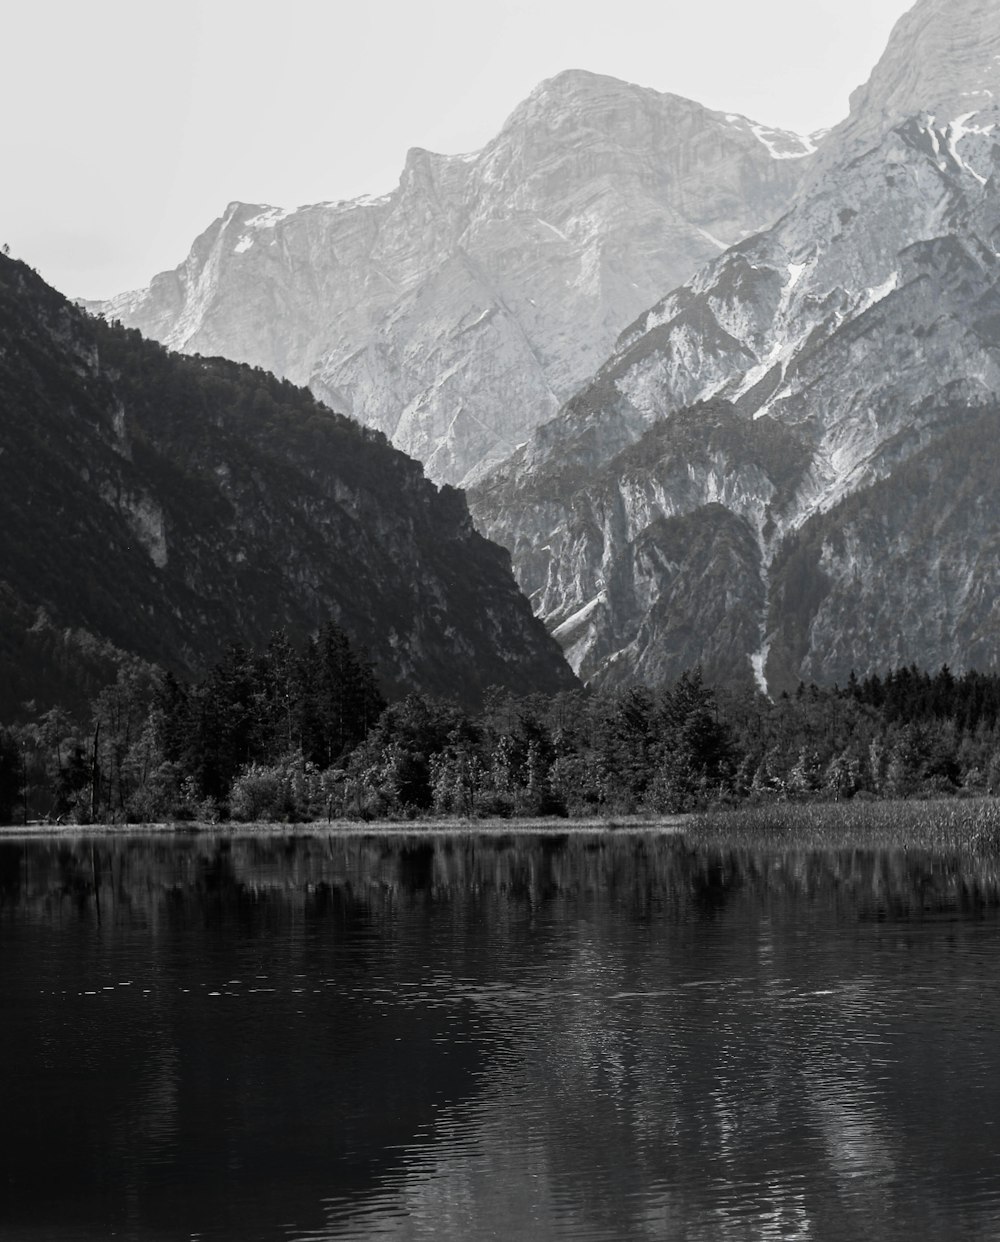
point(578, 1037)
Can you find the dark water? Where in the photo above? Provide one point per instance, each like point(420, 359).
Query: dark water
point(572, 1038)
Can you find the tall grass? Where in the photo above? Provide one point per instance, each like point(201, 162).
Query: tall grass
point(932, 825)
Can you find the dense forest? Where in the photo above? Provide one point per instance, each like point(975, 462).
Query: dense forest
point(303, 733)
point(154, 504)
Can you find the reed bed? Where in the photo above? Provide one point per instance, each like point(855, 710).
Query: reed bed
point(950, 825)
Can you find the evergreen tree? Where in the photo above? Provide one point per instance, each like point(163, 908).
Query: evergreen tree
point(341, 700)
point(10, 776)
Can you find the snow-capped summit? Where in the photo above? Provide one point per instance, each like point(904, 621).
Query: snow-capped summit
point(460, 310)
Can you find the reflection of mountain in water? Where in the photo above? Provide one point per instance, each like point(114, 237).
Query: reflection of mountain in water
point(616, 1036)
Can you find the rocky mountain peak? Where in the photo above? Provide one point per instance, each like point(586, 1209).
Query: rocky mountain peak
point(795, 372)
point(943, 58)
point(571, 85)
point(458, 312)
point(581, 97)
point(586, 110)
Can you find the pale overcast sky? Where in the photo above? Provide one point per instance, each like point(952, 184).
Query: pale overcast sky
point(128, 125)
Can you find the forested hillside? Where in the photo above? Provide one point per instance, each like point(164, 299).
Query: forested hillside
point(157, 506)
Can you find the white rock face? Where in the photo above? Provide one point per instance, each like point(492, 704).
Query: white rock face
point(828, 350)
point(460, 311)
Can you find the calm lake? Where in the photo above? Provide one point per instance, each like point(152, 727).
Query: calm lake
point(578, 1037)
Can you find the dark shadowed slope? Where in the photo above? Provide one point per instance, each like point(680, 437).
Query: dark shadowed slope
point(162, 505)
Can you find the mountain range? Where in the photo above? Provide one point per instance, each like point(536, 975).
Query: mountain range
point(730, 486)
point(728, 395)
point(459, 311)
point(159, 507)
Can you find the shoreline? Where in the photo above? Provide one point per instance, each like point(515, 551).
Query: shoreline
point(935, 824)
point(364, 828)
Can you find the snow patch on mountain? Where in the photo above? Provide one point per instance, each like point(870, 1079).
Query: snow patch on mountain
point(872, 297)
point(270, 218)
point(713, 239)
point(758, 662)
point(782, 145)
point(960, 129)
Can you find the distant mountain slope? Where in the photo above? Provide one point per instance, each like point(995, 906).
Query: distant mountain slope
point(162, 505)
point(794, 371)
point(905, 571)
point(458, 312)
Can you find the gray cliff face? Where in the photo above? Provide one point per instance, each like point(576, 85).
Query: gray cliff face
point(942, 56)
point(818, 357)
point(460, 311)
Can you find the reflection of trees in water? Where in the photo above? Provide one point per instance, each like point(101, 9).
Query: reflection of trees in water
point(647, 1018)
point(641, 875)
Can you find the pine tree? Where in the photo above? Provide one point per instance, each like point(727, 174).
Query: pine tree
point(341, 699)
point(10, 776)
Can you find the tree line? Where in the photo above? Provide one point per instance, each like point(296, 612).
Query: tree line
point(297, 734)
